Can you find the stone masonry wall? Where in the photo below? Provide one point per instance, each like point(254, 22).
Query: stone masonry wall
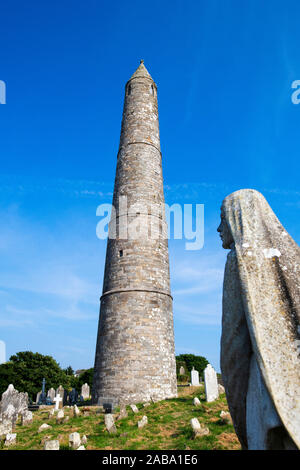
point(135, 356)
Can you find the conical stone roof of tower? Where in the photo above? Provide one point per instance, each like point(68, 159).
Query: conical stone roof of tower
point(141, 72)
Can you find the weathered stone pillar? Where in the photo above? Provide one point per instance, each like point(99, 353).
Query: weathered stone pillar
point(135, 357)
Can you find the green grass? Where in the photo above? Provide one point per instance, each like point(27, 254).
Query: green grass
point(168, 427)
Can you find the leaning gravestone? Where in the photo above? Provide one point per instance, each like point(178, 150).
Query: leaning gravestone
point(85, 391)
point(195, 377)
point(211, 383)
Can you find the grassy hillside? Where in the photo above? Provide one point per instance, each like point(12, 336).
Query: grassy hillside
point(168, 427)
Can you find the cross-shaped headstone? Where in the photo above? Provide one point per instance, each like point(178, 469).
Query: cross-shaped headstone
point(57, 401)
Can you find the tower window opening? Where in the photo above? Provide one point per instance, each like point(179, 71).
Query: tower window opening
point(152, 90)
point(121, 253)
point(128, 89)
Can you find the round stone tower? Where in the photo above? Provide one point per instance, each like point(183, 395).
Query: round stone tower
point(135, 356)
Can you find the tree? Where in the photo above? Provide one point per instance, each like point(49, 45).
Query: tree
point(86, 377)
point(26, 370)
point(188, 361)
point(69, 371)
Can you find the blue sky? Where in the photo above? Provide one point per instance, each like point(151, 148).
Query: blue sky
point(224, 72)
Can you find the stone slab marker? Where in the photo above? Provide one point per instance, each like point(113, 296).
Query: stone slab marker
point(51, 394)
point(38, 396)
point(195, 377)
point(13, 404)
point(211, 383)
point(60, 391)
point(85, 391)
point(135, 331)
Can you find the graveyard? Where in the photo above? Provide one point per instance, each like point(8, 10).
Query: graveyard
point(170, 424)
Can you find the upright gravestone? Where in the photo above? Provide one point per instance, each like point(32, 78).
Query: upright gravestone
point(38, 395)
point(58, 402)
point(181, 370)
point(43, 396)
point(211, 383)
point(85, 391)
point(195, 377)
point(65, 398)
point(13, 403)
point(51, 394)
point(60, 391)
point(73, 397)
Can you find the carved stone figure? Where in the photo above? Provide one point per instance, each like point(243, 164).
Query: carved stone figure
point(260, 359)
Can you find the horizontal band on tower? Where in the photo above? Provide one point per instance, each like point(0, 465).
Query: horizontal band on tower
point(117, 291)
point(141, 77)
point(141, 142)
point(136, 214)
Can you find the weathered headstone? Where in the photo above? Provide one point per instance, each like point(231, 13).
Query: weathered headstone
point(110, 423)
point(51, 394)
point(195, 377)
point(196, 402)
point(60, 391)
point(13, 404)
point(5, 427)
point(11, 439)
point(211, 383)
point(60, 416)
point(51, 445)
point(74, 440)
point(76, 411)
point(181, 370)
point(123, 412)
point(142, 422)
point(134, 408)
point(38, 397)
point(43, 427)
point(225, 417)
point(26, 418)
point(85, 391)
point(198, 430)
